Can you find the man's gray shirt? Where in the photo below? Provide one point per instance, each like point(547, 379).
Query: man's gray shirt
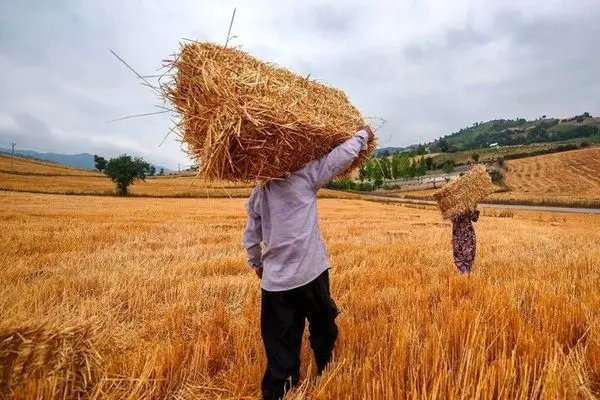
point(282, 215)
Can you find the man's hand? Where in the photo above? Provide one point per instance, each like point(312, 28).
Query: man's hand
point(259, 272)
point(368, 129)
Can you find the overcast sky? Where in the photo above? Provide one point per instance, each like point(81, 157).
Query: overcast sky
point(427, 67)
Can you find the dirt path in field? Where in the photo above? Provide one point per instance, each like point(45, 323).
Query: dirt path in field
point(386, 199)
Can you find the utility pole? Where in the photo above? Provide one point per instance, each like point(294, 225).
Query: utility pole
point(12, 165)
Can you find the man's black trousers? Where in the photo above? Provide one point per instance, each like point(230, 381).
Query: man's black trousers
point(282, 324)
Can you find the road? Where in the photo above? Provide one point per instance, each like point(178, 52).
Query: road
point(484, 205)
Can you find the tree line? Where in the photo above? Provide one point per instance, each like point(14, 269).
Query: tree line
point(400, 166)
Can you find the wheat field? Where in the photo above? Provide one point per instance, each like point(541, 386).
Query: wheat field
point(569, 179)
point(20, 165)
point(564, 178)
point(145, 298)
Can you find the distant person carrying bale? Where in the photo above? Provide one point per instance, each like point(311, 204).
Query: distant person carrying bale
point(248, 121)
point(458, 201)
point(463, 240)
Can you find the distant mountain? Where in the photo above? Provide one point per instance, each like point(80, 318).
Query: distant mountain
point(382, 151)
point(82, 160)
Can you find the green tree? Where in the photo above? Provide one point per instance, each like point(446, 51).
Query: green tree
point(377, 173)
point(429, 164)
point(152, 170)
point(362, 172)
point(412, 169)
point(162, 171)
point(100, 162)
point(396, 166)
point(448, 166)
point(405, 167)
point(386, 167)
point(125, 170)
point(443, 145)
point(421, 169)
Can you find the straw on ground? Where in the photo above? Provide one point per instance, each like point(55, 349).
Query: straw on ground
point(168, 279)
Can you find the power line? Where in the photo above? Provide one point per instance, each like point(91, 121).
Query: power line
point(12, 158)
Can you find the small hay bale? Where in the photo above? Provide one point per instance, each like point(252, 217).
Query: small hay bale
point(464, 193)
point(246, 120)
point(44, 362)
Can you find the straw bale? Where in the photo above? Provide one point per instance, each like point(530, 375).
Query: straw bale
point(246, 120)
point(45, 362)
point(464, 193)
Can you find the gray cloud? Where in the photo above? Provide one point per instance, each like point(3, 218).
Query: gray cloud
point(426, 67)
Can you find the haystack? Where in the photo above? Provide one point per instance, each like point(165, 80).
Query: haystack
point(464, 193)
point(247, 120)
point(58, 362)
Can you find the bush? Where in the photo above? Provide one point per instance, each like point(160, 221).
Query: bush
point(366, 187)
point(496, 175)
point(584, 144)
point(342, 184)
point(501, 161)
point(448, 166)
point(347, 184)
point(475, 157)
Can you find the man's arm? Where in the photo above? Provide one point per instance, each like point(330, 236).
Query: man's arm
point(253, 239)
point(323, 170)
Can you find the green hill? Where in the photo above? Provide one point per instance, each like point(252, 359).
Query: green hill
point(506, 132)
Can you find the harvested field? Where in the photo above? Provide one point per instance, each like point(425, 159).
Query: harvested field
point(175, 310)
point(20, 165)
point(569, 179)
point(91, 183)
point(565, 178)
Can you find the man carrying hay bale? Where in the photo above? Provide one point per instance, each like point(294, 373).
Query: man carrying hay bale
point(458, 201)
point(293, 267)
point(245, 120)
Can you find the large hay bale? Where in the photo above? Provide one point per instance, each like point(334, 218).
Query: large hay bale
point(247, 120)
point(45, 362)
point(464, 193)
